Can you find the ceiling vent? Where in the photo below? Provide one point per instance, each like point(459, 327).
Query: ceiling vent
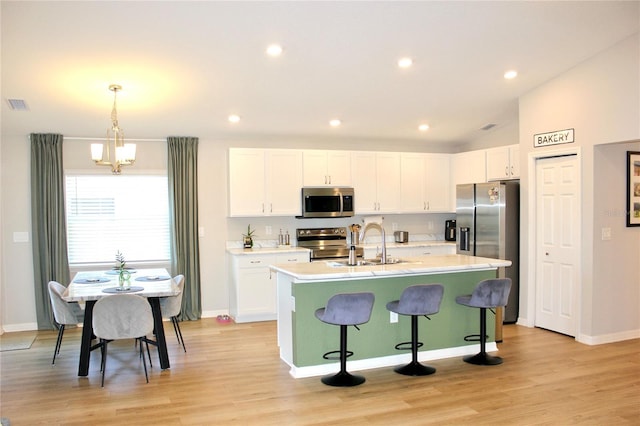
point(488, 126)
point(18, 105)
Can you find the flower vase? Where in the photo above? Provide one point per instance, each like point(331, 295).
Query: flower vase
point(123, 280)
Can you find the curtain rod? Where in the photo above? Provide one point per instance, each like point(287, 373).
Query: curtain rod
point(79, 138)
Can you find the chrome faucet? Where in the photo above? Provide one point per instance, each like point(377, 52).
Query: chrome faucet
point(379, 227)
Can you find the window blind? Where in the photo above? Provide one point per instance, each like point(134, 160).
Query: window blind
point(126, 213)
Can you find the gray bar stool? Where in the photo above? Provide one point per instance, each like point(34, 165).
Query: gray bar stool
point(488, 294)
point(345, 309)
point(415, 301)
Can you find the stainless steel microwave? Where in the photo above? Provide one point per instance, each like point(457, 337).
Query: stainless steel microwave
point(327, 202)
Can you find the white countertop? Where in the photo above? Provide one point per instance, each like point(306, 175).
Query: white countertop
point(290, 249)
point(320, 271)
point(267, 250)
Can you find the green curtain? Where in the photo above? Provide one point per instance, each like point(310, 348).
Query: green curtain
point(183, 207)
point(48, 223)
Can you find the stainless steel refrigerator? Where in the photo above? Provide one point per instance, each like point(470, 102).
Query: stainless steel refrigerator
point(488, 222)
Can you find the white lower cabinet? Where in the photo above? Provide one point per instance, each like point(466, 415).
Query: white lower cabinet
point(252, 294)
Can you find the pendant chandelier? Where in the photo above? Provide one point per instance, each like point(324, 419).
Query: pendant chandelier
point(123, 154)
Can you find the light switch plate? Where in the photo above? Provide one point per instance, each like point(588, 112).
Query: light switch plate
point(20, 237)
point(606, 234)
point(393, 317)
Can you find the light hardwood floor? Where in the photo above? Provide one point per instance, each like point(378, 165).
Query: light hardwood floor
point(232, 374)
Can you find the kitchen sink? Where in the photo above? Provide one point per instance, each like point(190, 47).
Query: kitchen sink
point(367, 262)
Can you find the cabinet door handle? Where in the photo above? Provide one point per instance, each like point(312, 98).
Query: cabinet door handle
point(329, 178)
point(506, 171)
point(270, 207)
point(262, 207)
point(424, 205)
point(428, 206)
point(511, 170)
point(255, 261)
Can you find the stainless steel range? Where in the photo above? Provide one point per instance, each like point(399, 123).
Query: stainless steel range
point(326, 243)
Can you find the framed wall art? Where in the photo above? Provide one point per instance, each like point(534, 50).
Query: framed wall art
point(633, 188)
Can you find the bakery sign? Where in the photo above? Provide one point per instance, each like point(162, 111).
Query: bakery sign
point(553, 138)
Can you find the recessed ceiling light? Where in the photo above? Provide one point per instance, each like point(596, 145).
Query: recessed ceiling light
point(423, 127)
point(510, 74)
point(335, 122)
point(405, 62)
point(274, 50)
point(233, 118)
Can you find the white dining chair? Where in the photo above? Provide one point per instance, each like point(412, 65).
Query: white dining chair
point(64, 313)
point(171, 306)
point(122, 316)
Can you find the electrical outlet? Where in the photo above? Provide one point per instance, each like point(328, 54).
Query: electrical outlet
point(393, 317)
point(268, 230)
point(430, 225)
point(394, 226)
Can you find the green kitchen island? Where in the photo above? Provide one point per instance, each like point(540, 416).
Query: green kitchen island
point(304, 287)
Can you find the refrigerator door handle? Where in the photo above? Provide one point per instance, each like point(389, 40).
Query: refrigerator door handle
point(464, 238)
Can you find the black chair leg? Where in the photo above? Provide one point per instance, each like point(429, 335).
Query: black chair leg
point(144, 361)
point(176, 328)
point(414, 368)
point(343, 378)
point(483, 358)
point(103, 362)
point(56, 351)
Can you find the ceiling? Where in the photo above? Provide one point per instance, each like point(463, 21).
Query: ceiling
point(186, 66)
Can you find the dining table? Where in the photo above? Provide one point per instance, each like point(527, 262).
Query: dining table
point(89, 286)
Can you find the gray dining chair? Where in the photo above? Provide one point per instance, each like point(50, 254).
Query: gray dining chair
point(64, 313)
point(171, 307)
point(122, 316)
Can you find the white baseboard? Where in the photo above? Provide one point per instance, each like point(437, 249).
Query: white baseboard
point(608, 338)
point(387, 361)
point(213, 314)
point(27, 326)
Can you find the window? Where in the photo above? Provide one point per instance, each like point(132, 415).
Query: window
point(108, 213)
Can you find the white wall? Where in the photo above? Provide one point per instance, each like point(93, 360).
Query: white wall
point(600, 99)
point(616, 279)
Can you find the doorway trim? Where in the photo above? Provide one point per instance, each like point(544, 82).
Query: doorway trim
point(531, 232)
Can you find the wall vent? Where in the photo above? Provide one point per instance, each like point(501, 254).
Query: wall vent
point(18, 104)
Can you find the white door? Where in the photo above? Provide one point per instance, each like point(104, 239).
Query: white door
point(557, 243)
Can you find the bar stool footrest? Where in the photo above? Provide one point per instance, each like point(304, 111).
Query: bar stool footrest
point(474, 338)
point(407, 346)
point(331, 355)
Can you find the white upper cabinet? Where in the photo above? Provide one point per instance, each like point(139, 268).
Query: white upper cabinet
point(412, 183)
point(438, 182)
point(468, 167)
point(503, 163)
point(326, 168)
point(376, 181)
point(424, 183)
point(264, 182)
